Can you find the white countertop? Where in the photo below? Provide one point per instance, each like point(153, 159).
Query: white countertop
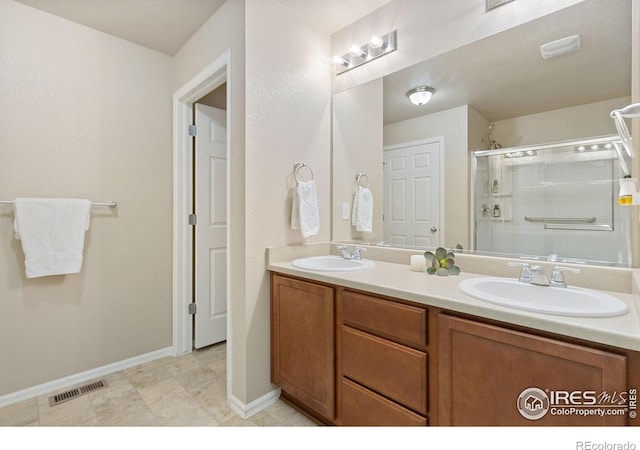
point(398, 281)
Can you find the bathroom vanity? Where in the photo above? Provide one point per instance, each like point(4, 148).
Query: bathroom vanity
point(388, 346)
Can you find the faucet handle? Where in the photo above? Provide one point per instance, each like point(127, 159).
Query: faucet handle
point(557, 277)
point(357, 252)
point(525, 274)
point(344, 250)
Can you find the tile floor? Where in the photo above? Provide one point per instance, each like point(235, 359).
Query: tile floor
point(189, 390)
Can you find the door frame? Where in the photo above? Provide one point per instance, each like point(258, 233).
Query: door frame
point(431, 140)
point(212, 76)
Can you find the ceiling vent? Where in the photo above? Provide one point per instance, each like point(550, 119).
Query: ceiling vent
point(560, 47)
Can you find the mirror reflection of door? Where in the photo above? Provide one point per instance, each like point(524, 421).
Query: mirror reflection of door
point(412, 194)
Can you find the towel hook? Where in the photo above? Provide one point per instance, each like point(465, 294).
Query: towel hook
point(359, 176)
point(296, 168)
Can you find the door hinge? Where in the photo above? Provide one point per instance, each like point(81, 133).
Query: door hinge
point(193, 219)
point(193, 130)
point(192, 308)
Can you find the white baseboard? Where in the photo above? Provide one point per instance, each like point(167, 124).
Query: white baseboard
point(71, 380)
point(247, 410)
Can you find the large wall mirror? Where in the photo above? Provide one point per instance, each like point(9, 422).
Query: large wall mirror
point(498, 92)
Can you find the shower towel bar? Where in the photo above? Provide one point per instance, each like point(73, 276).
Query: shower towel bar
point(560, 219)
point(110, 204)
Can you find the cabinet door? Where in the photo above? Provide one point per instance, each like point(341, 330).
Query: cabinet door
point(302, 342)
point(484, 371)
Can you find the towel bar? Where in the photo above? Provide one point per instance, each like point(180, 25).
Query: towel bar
point(568, 220)
point(111, 204)
point(296, 168)
point(359, 176)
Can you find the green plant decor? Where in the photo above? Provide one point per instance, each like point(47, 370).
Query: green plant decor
point(442, 263)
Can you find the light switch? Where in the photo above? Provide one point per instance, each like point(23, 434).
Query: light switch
point(345, 211)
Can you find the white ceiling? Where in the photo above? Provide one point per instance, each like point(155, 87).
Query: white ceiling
point(165, 25)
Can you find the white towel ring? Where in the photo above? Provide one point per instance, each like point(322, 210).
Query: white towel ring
point(359, 176)
point(296, 168)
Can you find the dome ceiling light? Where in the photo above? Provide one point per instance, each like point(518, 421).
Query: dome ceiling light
point(420, 95)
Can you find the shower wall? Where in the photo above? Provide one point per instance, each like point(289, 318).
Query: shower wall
point(557, 202)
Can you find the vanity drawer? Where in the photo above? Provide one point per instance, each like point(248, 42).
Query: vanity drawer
point(405, 323)
point(391, 369)
point(362, 407)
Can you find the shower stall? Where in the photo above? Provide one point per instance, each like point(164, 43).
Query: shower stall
point(556, 202)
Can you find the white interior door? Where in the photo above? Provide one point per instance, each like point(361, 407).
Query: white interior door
point(412, 194)
point(210, 285)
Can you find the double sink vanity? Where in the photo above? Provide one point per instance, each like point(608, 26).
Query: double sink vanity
point(367, 341)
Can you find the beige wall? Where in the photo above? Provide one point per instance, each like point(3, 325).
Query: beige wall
point(357, 147)
point(288, 101)
point(226, 30)
point(84, 114)
point(577, 122)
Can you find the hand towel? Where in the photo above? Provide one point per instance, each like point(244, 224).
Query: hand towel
point(52, 234)
point(304, 211)
point(362, 213)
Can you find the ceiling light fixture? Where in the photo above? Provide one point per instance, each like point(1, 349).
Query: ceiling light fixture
point(376, 47)
point(420, 95)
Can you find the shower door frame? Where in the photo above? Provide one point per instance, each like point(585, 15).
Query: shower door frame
point(473, 212)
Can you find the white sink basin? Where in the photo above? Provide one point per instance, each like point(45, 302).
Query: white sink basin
point(332, 264)
point(570, 301)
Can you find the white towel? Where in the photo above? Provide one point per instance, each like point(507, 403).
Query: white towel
point(304, 211)
point(362, 213)
point(52, 233)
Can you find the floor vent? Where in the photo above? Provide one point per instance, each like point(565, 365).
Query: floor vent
point(76, 392)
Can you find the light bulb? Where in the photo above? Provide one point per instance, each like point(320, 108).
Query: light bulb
point(376, 42)
point(356, 51)
point(340, 60)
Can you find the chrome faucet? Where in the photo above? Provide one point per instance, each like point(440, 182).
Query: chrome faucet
point(557, 278)
point(539, 276)
point(347, 253)
point(525, 274)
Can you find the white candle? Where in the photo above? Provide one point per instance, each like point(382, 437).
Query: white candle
point(418, 263)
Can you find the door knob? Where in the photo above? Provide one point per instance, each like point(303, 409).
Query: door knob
point(434, 229)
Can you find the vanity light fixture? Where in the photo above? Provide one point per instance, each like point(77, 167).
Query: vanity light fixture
point(376, 47)
point(420, 95)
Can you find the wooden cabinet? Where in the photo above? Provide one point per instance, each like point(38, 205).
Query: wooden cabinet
point(303, 343)
point(484, 369)
point(352, 358)
point(383, 380)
